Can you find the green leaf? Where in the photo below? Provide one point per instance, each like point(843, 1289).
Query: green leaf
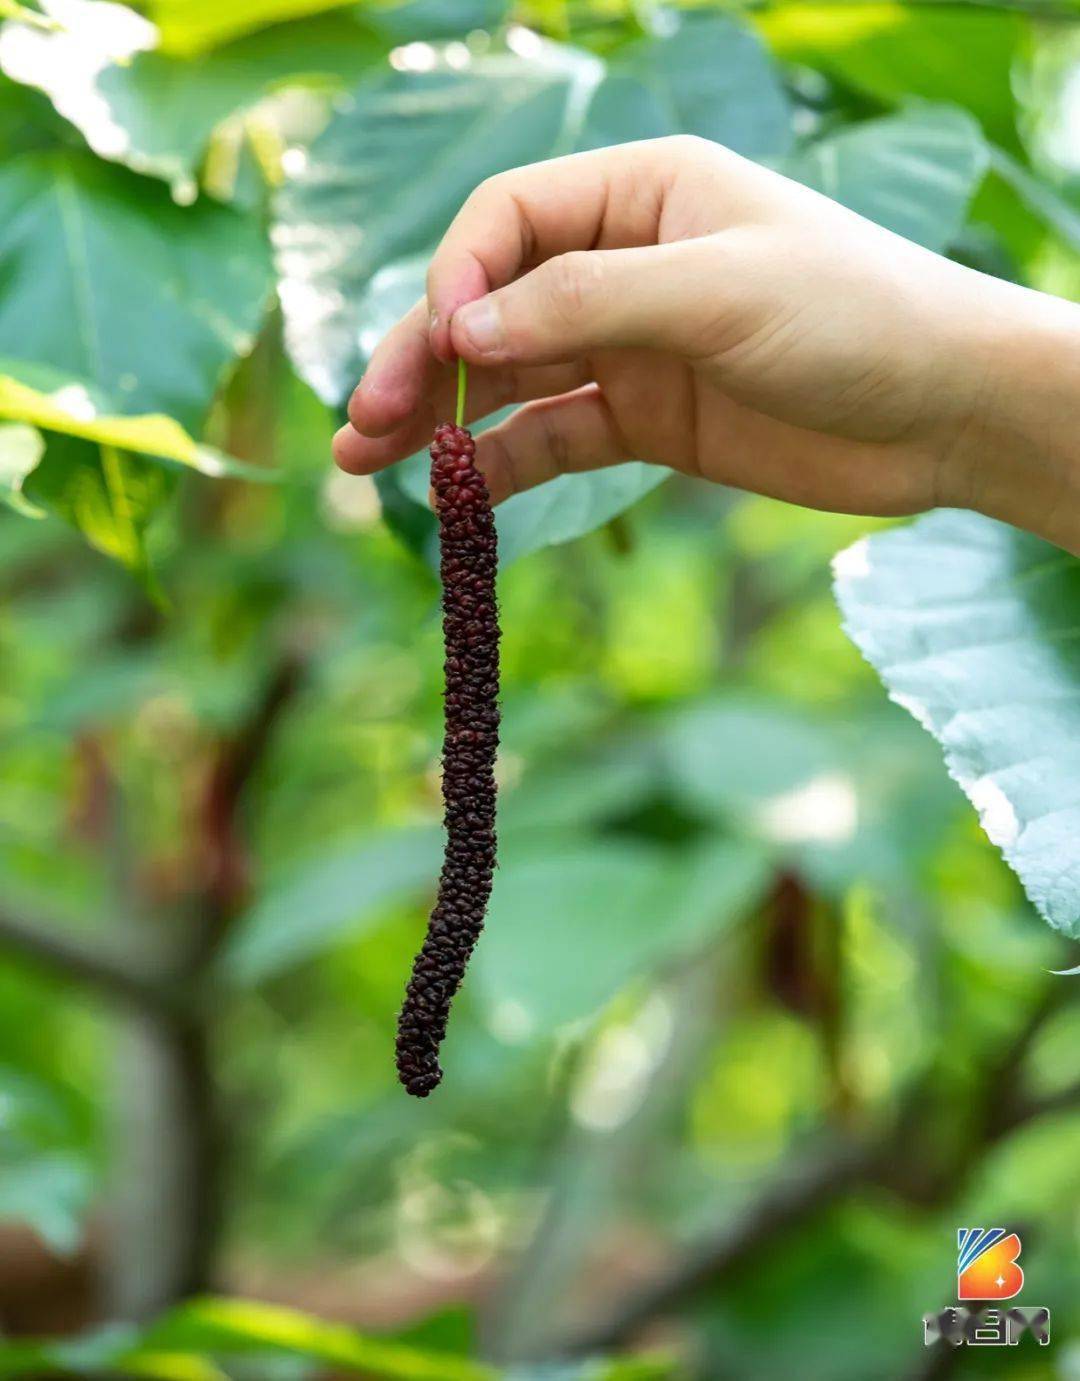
point(169, 1366)
point(576, 792)
point(972, 627)
point(894, 51)
point(840, 798)
point(570, 506)
point(48, 1190)
point(21, 448)
point(59, 403)
point(434, 19)
point(914, 173)
point(169, 106)
point(238, 1327)
point(655, 1367)
point(1039, 196)
point(551, 514)
point(86, 1355)
point(107, 495)
point(570, 927)
point(319, 903)
point(388, 174)
point(192, 27)
point(106, 279)
point(11, 9)
point(711, 76)
point(335, 897)
point(28, 121)
point(729, 757)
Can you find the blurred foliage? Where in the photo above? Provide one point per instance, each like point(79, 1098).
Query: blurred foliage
point(761, 1016)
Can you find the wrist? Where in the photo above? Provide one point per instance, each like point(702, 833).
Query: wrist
point(1018, 458)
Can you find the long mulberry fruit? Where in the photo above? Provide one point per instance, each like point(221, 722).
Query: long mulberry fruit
point(471, 634)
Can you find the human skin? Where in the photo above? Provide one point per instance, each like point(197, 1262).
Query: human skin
point(669, 301)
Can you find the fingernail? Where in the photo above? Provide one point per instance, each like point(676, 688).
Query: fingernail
point(433, 320)
point(482, 323)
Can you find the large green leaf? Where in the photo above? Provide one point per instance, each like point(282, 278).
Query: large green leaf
point(571, 506)
point(571, 925)
point(107, 279)
point(168, 106)
point(972, 627)
point(337, 895)
point(318, 904)
point(417, 20)
point(27, 120)
point(387, 176)
point(710, 76)
point(840, 797)
point(914, 172)
point(893, 51)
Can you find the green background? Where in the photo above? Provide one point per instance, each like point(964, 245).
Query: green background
point(762, 1016)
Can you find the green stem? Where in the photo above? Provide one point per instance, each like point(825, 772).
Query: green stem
point(461, 384)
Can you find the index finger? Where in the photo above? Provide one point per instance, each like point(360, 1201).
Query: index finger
point(518, 219)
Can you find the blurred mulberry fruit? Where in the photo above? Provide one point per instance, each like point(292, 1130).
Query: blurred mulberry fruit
point(471, 635)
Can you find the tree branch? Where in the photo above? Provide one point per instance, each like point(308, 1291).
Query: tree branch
point(115, 976)
point(223, 847)
point(802, 1193)
point(720, 1250)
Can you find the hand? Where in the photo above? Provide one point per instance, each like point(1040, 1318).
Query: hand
point(672, 302)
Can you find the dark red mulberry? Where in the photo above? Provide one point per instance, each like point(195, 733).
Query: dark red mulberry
point(471, 635)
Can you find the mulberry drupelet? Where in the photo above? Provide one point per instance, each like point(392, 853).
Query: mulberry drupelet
point(471, 634)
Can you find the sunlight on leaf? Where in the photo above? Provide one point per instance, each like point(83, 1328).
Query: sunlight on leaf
point(237, 1327)
point(21, 447)
point(11, 9)
point(972, 627)
point(895, 51)
point(71, 408)
point(170, 1366)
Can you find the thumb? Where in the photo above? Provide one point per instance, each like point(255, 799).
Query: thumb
point(657, 297)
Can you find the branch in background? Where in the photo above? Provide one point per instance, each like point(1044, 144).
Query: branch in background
point(223, 847)
point(111, 974)
point(717, 1252)
point(1029, 1109)
point(721, 1250)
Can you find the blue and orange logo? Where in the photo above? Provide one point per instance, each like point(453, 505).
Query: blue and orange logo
point(986, 1264)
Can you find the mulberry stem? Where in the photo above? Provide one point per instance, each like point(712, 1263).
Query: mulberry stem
point(462, 384)
point(471, 634)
